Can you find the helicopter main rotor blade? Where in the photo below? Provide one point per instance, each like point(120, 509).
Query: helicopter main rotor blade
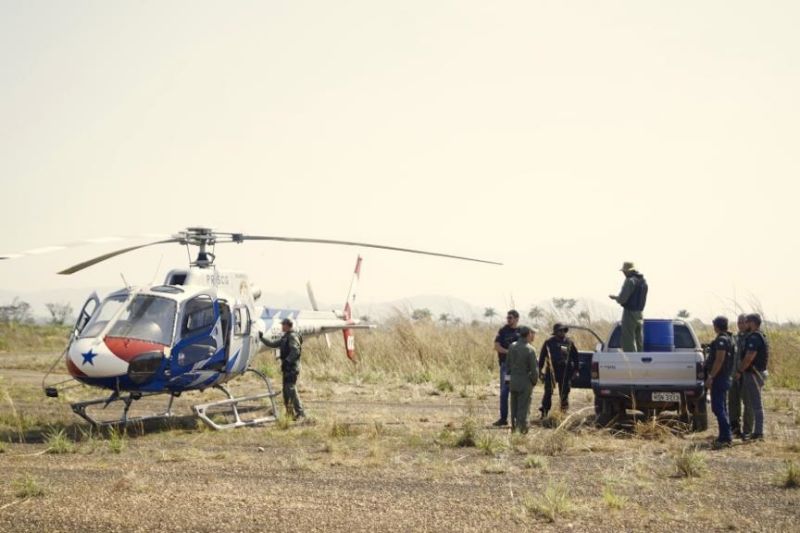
point(101, 258)
point(75, 244)
point(363, 244)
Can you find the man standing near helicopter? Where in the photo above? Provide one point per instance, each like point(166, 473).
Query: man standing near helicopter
point(290, 346)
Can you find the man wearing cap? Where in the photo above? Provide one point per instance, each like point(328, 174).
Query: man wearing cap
point(740, 424)
point(752, 371)
point(506, 336)
point(558, 361)
point(718, 378)
point(632, 297)
point(290, 347)
point(521, 364)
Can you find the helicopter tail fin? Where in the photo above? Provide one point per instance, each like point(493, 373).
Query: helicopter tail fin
point(349, 337)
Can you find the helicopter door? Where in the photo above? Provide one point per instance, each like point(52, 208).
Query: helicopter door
point(88, 309)
point(241, 337)
point(200, 336)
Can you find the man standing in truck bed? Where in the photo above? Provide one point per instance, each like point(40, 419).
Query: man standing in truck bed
point(632, 297)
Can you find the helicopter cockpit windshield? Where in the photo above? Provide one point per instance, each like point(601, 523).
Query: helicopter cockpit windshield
point(145, 317)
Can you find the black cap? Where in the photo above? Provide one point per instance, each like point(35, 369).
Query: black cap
point(558, 326)
point(287, 322)
point(721, 322)
point(755, 318)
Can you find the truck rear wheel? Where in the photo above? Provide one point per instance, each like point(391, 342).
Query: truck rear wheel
point(700, 416)
point(606, 410)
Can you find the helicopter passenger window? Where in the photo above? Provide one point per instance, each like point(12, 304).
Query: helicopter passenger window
point(198, 315)
point(241, 325)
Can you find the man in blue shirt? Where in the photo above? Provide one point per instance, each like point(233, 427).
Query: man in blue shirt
point(753, 372)
point(718, 378)
point(506, 336)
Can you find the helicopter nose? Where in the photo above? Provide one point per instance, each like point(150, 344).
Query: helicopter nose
point(129, 349)
point(145, 359)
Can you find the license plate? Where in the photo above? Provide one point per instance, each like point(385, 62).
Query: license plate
point(666, 396)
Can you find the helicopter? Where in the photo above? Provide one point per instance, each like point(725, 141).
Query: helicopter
point(197, 330)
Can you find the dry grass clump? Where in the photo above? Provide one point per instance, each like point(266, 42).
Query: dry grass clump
point(613, 500)
point(27, 486)
point(342, 429)
point(554, 418)
point(58, 442)
point(689, 463)
point(651, 429)
point(489, 444)
point(550, 504)
point(117, 440)
point(553, 443)
point(790, 477)
point(495, 467)
point(283, 421)
point(535, 462)
point(468, 438)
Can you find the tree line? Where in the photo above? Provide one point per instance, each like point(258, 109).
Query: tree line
point(20, 312)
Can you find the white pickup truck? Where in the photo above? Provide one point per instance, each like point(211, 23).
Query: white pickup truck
point(651, 382)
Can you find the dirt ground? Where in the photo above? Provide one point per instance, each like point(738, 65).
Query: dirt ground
point(382, 458)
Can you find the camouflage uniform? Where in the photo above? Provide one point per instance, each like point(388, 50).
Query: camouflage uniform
point(736, 395)
point(290, 347)
point(521, 364)
point(632, 297)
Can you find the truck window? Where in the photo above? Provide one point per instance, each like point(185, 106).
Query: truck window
point(683, 337)
point(615, 342)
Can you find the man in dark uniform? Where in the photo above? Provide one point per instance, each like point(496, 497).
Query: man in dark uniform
point(753, 371)
point(290, 347)
point(506, 336)
point(740, 424)
point(558, 361)
point(718, 378)
point(632, 297)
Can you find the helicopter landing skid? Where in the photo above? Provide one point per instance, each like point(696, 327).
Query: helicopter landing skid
point(232, 402)
point(79, 408)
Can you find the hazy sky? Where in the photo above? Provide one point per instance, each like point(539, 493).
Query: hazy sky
point(561, 138)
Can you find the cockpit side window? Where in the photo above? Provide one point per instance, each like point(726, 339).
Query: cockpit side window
point(198, 314)
point(100, 318)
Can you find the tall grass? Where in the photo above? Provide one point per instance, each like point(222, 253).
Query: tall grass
point(16, 337)
point(411, 351)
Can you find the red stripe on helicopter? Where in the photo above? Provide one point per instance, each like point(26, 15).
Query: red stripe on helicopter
point(126, 349)
point(73, 370)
